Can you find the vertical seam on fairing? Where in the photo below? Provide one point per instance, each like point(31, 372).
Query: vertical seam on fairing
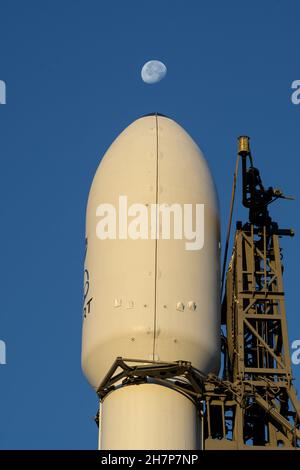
point(156, 241)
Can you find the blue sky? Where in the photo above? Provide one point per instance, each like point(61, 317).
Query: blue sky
point(72, 71)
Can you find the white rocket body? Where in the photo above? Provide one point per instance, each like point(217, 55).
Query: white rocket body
point(151, 298)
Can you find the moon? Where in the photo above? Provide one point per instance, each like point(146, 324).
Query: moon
point(153, 71)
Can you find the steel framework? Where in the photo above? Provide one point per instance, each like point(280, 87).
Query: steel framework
point(256, 407)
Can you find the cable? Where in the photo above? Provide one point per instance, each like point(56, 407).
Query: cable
point(229, 221)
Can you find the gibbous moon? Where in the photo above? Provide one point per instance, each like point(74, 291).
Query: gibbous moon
point(153, 71)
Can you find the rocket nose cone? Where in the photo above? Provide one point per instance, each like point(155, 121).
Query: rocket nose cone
point(155, 114)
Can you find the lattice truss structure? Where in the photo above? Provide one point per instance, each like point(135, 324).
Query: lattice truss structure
point(256, 405)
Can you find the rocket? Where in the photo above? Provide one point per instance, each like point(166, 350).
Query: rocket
point(151, 282)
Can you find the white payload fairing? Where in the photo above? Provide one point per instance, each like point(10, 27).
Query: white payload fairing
point(148, 295)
